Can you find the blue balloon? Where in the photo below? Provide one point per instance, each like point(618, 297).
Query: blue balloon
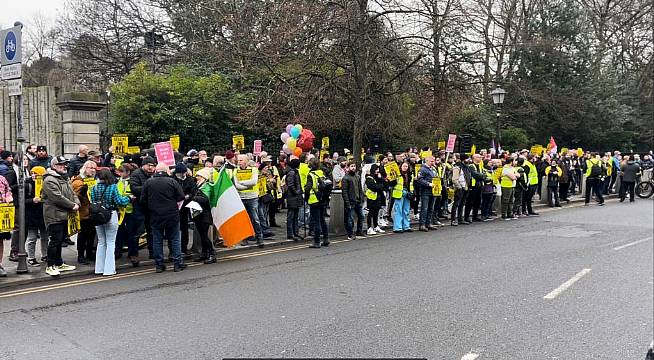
point(295, 132)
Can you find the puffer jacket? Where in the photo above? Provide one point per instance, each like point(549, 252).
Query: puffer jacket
point(81, 189)
point(294, 190)
point(58, 198)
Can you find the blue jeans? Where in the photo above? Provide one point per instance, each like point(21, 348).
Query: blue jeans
point(426, 207)
point(170, 231)
point(318, 223)
point(105, 263)
point(401, 213)
point(262, 210)
point(350, 212)
point(252, 207)
point(291, 222)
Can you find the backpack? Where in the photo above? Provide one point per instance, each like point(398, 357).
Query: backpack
point(596, 170)
point(324, 188)
point(100, 213)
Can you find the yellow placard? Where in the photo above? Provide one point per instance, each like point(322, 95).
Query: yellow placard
point(244, 175)
point(392, 171)
point(7, 217)
point(473, 150)
point(120, 142)
point(417, 168)
point(263, 188)
point(564, 150)
point(73, 223)
point(323, 153)
point(90, 183)
point(133, 150)
point(325, 142)
point(174, 141)
point(425, 154)
point(38, 186)
point(580, 152)
point(197, 168)
point(438, 187)
point(238, 141)
point(441, 145)
point(121, 215)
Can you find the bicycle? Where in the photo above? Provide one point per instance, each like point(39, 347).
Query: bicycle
point(645, 189)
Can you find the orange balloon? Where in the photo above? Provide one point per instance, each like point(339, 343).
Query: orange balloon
point(297, 152)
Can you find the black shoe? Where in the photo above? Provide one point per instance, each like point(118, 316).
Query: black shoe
point(298, 237)
point(533, 213)
point(82, 260)
point(179, 267)
point(268, 235)
point(69, 242)
point(325, 243)
point(244, 243)
point(13, 257)
point(600, 204)
point(454, 223)
point(423, 228)
point(558, 205)
point(408, 230)
point(160, 269)
point(210, 260)
point(398, 231)
point(260, 244)
point(314, 246)
point(476, 219)
point(621, 200)
point(33, 262)
point(44, 259)
point(465, 222)
point(360, 234)
point(290, 238)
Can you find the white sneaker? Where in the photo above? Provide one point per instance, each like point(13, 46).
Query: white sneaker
point(371, 231)
point(383, 223)
point(379, 230)
point(52, 271)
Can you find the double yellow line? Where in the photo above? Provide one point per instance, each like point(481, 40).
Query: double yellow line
point(68, 284)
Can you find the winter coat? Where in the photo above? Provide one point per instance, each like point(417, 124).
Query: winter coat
point(160, 196)
point(82, 191)
point(33, 211)
point(137, 181)
point(202, 199)
point(76, 164)
point(425, 177)
point(351, 190)
point(630, 171)
point(7, 170)
point(293, 190)
point(58, 198)
point(377, 185)
point(189, 187)
point(44, 162)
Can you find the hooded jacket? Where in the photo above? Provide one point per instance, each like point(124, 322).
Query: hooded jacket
point(58, 198)
point(160, 195)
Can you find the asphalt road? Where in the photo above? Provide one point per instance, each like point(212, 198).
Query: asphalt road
point(487, 291)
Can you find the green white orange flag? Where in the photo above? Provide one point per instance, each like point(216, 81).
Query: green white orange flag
point(229, 215)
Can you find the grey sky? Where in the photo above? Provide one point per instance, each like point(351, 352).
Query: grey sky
point(24, 10)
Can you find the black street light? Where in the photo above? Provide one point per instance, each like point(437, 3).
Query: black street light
point(498, 99)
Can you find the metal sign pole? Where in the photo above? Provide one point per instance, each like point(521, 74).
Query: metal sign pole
point(22, 256)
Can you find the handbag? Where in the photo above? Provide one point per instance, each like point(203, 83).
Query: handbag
point(100, 213)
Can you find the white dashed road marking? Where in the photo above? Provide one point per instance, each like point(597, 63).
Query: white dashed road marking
point(470, 356)
point(632, 243)
point(556, 292)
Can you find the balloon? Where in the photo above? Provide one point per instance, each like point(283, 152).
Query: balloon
point(284, 136)
point(288, 128)
point(295, 132)
point(297, 152)
point(299, 127)
point(286, 149)
point(306, 140)
point(291, 143)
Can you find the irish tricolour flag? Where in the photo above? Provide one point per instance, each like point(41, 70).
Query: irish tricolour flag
point(229, 214)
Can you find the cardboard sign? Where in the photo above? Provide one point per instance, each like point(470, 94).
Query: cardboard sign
point(262, 184)
point(90, 183)
point(451, 140)
point(258, 146)
point(120, 142)
point(536, 149)
point(323, 153)
point(564, 150)
point(197, 168)
point(392, 171)
point(174, 141)
point(73, 223)
point(238, 142)
point(164, 153)
point(325, 142)
point(7, 217)
point(437, 189)
point(133, 150)
point(38, 186)
point(580, 152)
point(417, 168)
point(441, 145)
point(244, 175)
point(425, 154)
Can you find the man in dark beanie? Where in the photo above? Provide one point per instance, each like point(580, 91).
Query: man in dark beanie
point(136, 182)
point(189, 188)
point(42, 158)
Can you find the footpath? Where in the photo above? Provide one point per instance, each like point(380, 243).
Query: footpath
point(37, 274)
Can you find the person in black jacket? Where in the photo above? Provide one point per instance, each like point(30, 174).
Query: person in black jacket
point(628, 173)
point(34, 218)
point(352, 193)
point(294, 201)
point(477, 176)
point(140, 215)
point(160, 196)
point(189, 188)
point(376, 185)
point(204, 220)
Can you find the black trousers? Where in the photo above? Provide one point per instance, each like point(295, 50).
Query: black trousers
point(627, 186)
point(473, 202)
point(460, 197)
point(527, 199)
point(518, 195)
point(373, 216)
point(553, 196)
point(56, 235)
point(564, 188)
point(86, 240)
point(183, 228)
point(594, 185)
point(207, 246)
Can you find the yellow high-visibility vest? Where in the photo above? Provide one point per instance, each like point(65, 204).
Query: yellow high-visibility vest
point(506, 181)
point(245, 175)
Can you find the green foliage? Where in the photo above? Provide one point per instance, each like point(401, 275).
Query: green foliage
point(515, 139)
point(151, 107)
point(478, 121)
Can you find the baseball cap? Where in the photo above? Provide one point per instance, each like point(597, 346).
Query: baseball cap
point(41, 148)
point(59, 160)
point(192, 152)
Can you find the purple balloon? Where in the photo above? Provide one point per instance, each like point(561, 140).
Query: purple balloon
point(288, 128)
point(286, 149)
point(284, 137)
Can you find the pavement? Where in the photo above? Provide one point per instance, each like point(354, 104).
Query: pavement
point(573, 283)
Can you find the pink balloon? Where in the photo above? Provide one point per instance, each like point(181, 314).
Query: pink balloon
point(286, 149)
point(284, 137)
point(288, 128)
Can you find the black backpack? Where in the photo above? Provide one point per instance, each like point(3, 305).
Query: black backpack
point(596, 170)
point(325, 187)
point(100, 213)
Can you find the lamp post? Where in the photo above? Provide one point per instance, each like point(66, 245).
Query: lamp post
point(152, 41)
point(498, 99)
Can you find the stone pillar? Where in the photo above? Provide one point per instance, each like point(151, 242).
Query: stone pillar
point(337, 214)
point(80, 121)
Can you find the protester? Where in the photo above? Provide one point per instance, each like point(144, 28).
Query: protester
point(141, 215)
point(42, 158)
point(509, 177)
point(402, 192)
point(189, 188)
point(128, 229)
point(553, 173)
point(106, 193)
point(204, 219)
point(628, 175)
point(58, 201)
point(78, 161)
point(339, 172)
point(352, 193)
point(294, 201)
point(6, 197)
point(86, 236)
point(488, 191)
point(160, 197)
point(595, 171)
point(246, 182)
point(521, 187)
point(34, 218)
point(473, 201)
point(425, 180)
point(317, 204)
point(461, 181)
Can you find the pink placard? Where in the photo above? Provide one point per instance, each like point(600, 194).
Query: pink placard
point(451, 140)
point(258, 145)
point(164, 153)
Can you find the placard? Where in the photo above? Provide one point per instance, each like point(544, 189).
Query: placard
point(238, 142)
point(164, 153)
point(262, 184)
point(133, 150)
point(73, 223)
point(38, 186)
point(392, 171)
point(174, 141)
point(441, 145)
point(325, 142)
point(451, 140)
point(258, 146)
point(7, 217)
point(120, 142)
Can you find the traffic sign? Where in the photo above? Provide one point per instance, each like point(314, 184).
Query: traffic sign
point(15, 87)
point(13, 71)
point(11, 41)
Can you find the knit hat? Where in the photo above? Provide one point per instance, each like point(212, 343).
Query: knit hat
point(180, 168)
point(5, 154)
point(192, 153)
point(148, 160)
point(41, 148)
point(204, 173)
point(294, 163)
point(229, 154)
point(38, 170)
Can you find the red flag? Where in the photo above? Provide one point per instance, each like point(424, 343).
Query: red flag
point(551, 147)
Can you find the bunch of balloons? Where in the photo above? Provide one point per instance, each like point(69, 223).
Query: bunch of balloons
point(296, 139)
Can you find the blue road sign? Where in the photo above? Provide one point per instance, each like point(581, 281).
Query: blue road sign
point(10, 46)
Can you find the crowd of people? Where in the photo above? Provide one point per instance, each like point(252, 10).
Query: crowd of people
point(117, 199)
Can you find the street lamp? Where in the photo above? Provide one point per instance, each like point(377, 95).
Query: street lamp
point(498, 99)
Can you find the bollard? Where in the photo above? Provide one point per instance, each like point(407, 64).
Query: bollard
point(336, 214)
point(543, 190)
